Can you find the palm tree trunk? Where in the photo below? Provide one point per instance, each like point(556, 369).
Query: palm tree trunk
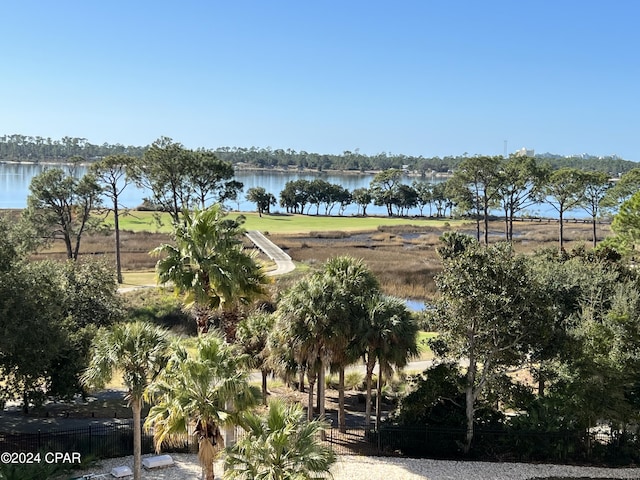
point(379, 397)
point(202, 321)
point(342, 421)
point(264, 386)
point(310, 411)
point(136, 406)
point(321, 389)
point(206, 455)
point(301, 380)
point(367, 414)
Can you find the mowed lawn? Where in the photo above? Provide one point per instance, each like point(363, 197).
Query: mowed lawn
point(281, 223)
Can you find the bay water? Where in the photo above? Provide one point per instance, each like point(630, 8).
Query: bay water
point(15, 179)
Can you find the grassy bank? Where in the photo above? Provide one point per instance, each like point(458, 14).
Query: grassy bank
point(280, 224)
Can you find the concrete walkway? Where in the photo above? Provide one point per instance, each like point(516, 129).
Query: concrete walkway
point(283, 261)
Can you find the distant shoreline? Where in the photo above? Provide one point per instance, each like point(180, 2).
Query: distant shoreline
point(251, 168)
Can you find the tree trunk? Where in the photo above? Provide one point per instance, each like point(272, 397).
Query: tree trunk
point(506, 224)
point(116, 226)
point(511, 215)
point(206, 454)
point(595, 240)
point(310, 410)
point(25, 401)
point(469, 399)
point(321, 390)
point(136, 406)
point(470, 410)
point(342, 421)
point(541, 385)
point(367, 415)
point(485, 215)
point(301, 380)
point(379, 397)
point(264, 386)
point(67, 244)
point(561, 230)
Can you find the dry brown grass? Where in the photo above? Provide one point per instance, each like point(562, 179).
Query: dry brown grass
point(402, 257)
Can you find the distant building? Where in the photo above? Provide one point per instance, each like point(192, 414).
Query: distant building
point(523, 152)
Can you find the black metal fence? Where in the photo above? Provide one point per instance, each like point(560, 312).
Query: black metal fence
point(114, 440)
point(613, 448)
point(101, 441)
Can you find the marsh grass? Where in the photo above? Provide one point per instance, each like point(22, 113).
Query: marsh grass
point(402, 255)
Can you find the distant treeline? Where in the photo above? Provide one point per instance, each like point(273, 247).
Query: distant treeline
point(23, 148)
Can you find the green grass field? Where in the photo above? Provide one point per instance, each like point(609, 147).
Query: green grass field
point(295, 224)
point(423, 346)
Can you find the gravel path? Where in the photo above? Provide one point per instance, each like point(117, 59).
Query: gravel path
point(382, 468)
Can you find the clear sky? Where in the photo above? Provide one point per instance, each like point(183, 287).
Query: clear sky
point(420, 77)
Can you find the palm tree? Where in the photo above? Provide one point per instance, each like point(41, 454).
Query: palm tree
point(305, 314)
point(251, 336)
point(355, 285)
point(208, 264)
point(205, 390)
point(390, 339)
point(281, 446)
point(139, 351)
point(323, 315)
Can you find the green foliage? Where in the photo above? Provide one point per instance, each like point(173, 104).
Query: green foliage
point(181, 179)
point(111, 175)
point(160, 307)
point(588, 355)
point(207, 387)
point(208, 265)
point(34, 471)
point(478, 181)
point(137, 350)
point(384, 188)
point(17, 147)
point(362, 197)
point(623, 189)
point(564, 189)
point(490, 313)
point(252, 334)
point(436, 398)
point(324, 316)
point(626, 224)
point(279, 446)
point(354, 381)
point(521, 181)
point(252, 337)
point(453, 244)
point(8, 248)
point(261, 198)
point(60, 207)
point(50, 312)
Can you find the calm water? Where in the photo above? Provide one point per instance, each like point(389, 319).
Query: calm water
point(15, 180)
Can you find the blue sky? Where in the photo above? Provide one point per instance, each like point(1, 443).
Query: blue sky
point(422, 77)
